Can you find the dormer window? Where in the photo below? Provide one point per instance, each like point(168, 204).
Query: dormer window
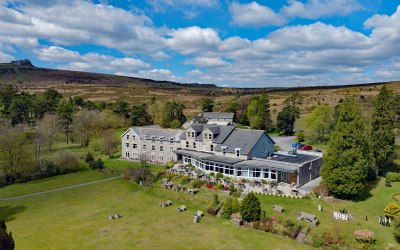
point(188, 134)
point(205, 136)
point(193, 134)
point(224, 149)
point(212, 148)
point(237, 151)
point(134, 137)
point(210, 136)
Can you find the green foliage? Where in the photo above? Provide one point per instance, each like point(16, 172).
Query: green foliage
point(300, 135)
point(121, 108)
point(286, 119)
point(215, 202)
point(382, 130)
point(392, 176)
point(6, 239)
point(227, 208)
point(250, 208)
point(219, 186)
point(391, 210)
point(346, 163)
point(65, 112)
point(140, 115)
point(197, 183)
point(89, 157)
point(211, 173)
point(259, 114)
point(172, 115)
point(207, 105)
point(388, 183)
point(184, 180)
point(169, 165)
point(219, 175)
point(396, 231)
point(320, 123)
point(235, 205)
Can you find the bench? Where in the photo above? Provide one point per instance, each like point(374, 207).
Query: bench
point(277, 208)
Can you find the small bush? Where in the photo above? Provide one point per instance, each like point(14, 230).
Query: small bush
point(396, 231)
point(169, 165)
point(250, 208)
point(388, 183)
point(184, 180)
point(227, 208)
point(89, 158)
point(215, 200)
point(212, 173)
point(219, 175)
point(364, 236)
point(321, 190)
point(219, 186)
point(197, 183)
point(98, 164)
point(66, 162)
point(235, 205)
point(300, 135)
point(46, 168)
point(289, 223)
point(392, 176)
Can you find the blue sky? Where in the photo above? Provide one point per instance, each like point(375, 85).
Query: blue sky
point(228, 43)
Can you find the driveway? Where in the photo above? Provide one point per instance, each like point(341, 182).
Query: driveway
point(308, 187)
point(284, 142)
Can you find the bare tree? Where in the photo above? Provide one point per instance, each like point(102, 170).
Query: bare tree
point(86, 125)
point(143, 166)
point(48, 127)
point(109, 142)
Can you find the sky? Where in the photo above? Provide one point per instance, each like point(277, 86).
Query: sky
point(270, 43)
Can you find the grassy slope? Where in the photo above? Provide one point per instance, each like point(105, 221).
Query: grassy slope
point(78, 219)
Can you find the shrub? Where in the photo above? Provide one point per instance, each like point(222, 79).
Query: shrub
point(300, 135)
point(392, 176)
point(388, 183)
point(169, 165)
point(66, 162)
point(391, 210)
point(89, 158)
point(396, 231)
point(6, 239)
point(220, 186)
point(321, 190)
point(212, 173)
point(136, 175)
point(219, 175)
point(215, 200)
point(212, 210)
point(364, 236)
point(289, 223)
point(197, 183)
point(46, 168)
point(227, 208)
point(184, 180)
point(232, 188)
point(250, 208)
point(235, 205)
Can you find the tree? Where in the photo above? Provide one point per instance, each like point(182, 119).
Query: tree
point(293, 100)
point(173, 116)
point(109, 143)
point(47, 128)
point(300, 135)
point(347, 161)
point(86, 125)
point(227, 208)
point(235, 205)
point(250, 208)
point(65, 112)
point(382, 131)
point(391, 210)
point(320, 123)
point(6, 239)
point(47, 103)
point(286, 119)
point(207, 105)
point(139, 115)
point(396, 230)
point(259, 114)
point(21, 109)
point(16, 154)
point(121, 108)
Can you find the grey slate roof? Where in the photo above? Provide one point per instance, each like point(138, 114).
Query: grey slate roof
point(222, 132)
point(245, 139)
point(157, 133)
point(216, 115)
point(209, 156)
point(267, 164)
point(295, 159)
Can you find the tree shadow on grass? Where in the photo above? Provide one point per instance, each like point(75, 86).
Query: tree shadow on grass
point(7, 213)
point(367, 192)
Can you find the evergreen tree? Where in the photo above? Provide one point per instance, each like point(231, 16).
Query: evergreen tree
point(139, 115)
point(259, 114)
point(382, 131)
point(235, 205)
point(286, 119)
point(173, 116)
point(207, 105)
point(347, 161)
point(65, 112)
point(250, 208)
point(6, 239)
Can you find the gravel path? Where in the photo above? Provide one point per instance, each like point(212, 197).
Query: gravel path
point(58, 189)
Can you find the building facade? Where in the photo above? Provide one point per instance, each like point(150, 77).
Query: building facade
point(237, 153)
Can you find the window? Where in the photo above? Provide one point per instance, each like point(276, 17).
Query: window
point(188, 134)
point(194, 145)
point(187, 144)
point(161, 158)
point(134, 137)
point(210, 136)
point(153, 157)
point(127, 137)
point(212, 148)
point(127, 145)
point(273, 174)
point(134, 145)
point(153, 147)
point(171, 149)
point(237, 152)
point(127, 154)
point(205, 136)
point(223, 149)
point(161, 148)
point(193, 134)
point(144, 146)
point(266, 174)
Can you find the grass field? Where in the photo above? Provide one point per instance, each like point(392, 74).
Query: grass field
point(78, 219)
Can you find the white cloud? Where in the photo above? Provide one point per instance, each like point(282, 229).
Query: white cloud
point(314, 9)
point(56, 54)
point(209, 62)
point(195, 72)
point(154, 74)
point(193, 39)
point(5, 58)
point(254, 15)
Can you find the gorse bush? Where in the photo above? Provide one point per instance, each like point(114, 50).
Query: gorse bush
point(250, 208)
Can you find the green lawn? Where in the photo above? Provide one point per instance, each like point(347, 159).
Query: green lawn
point(78, 219)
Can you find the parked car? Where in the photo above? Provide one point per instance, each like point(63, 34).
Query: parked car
point(297, 145)
point(306, 147)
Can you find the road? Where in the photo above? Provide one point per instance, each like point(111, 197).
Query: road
point(57, 189)
point(284, 142)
